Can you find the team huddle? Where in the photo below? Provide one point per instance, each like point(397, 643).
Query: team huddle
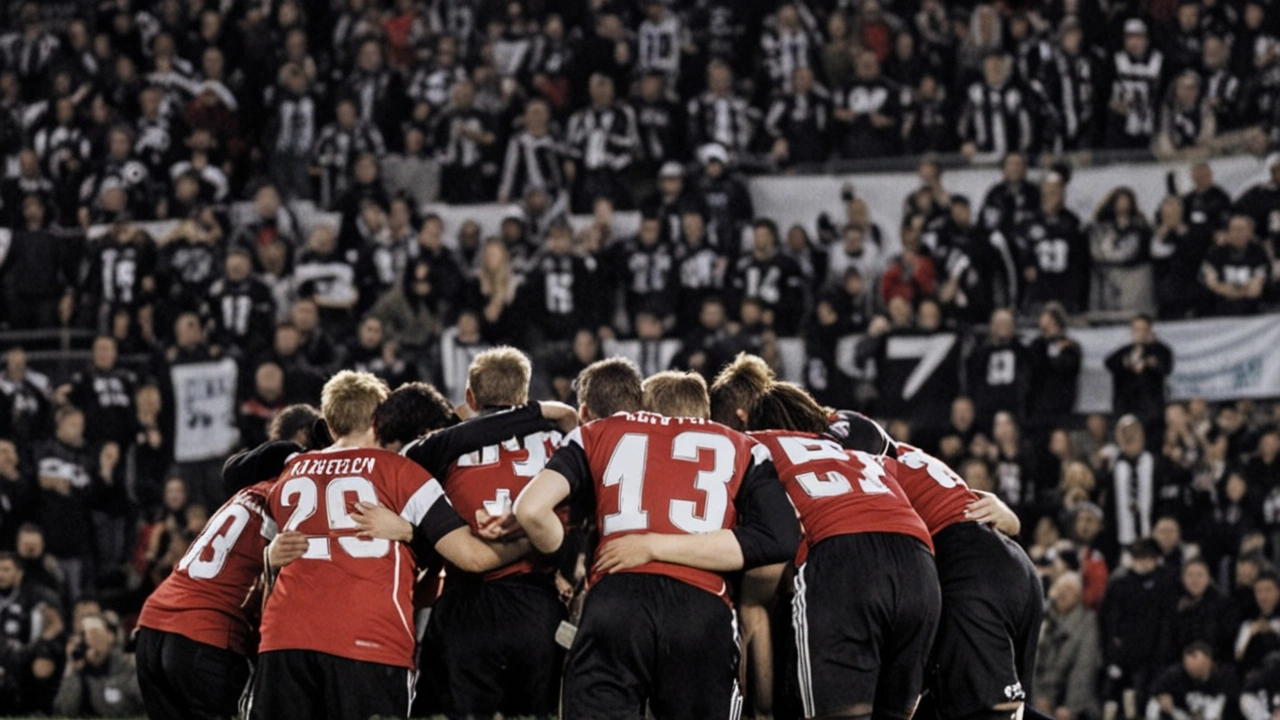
point(649, 553)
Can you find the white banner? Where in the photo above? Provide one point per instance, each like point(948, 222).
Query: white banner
point(800, 199)
point(1222, 359)
point(205, 410)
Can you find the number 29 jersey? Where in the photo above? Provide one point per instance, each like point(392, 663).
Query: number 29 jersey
point(838, 491)
point(203, 598)
point(348, 596)
point(652, 473)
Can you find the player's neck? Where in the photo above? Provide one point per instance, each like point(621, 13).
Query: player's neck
point(364, 439)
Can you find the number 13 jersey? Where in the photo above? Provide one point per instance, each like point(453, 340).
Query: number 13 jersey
point(652, 473)
point(348, 596)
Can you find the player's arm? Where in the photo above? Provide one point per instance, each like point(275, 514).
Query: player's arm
point(567, 472)
point(767, 532)
point(257, 465)
point(438, 451)
point(993, 511)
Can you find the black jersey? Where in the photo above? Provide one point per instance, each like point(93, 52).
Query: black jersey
point(1057, 248)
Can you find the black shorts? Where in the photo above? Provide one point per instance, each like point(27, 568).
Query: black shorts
point(182, 678)
point(992, 605)
point(650, 640)
point(491, 647)
point(310, 684)
point(865, 611)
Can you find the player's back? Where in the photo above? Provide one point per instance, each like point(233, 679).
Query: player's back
point(347, 596)
point(937, 493)
point(203, 598)
point(838, 491)
point(491, 478)
point(658, 474)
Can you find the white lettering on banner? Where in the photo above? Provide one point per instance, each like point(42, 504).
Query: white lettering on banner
point(205, 410)
point(932, 351)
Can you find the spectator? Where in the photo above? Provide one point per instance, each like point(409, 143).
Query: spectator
point(463, 137)
point(325, 276)
point(870, 109)
point(1197, 685)
point(799, 122)
point(855, 251)
point(1139, 72)
point(555, 296)
point(999, 370)
point(1259, 634)
point(1087, 523)
point(38, 270)
point(1013, 201)
point(645, 267)
point(1120, 242)
point(1070, 83)
point(1203, 614)
point(728, 205)
point(241, 309)
point(912, 274)
point(1068, 659)
point(978, 267)
point(29, 631)
point(770, 277)
point(602, 143)
point(1054, 362)
point(1258, 700)
point(1262, 203)
point(266, 399)
point(16, 501)
point(1237, 272)
point(1138, 373)
point(100, 680)
point(69, 478)
point(1133, 475)
point(1137, 604)
point(533, 159)
point(661, 42)
point(720, 116)
point(996, 119)
point(660, 125)
point(1187, 120)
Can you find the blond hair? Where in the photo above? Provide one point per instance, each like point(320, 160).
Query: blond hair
point(499, 378)
point(677, 394)
point(739, 386)
point(349, 399)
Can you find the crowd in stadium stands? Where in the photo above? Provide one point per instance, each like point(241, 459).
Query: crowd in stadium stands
point(1157, 527)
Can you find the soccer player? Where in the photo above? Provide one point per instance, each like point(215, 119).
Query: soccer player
point(493, 635)
point(992, 599)
point(658, 634)
point(862, 644)
point(337, 638)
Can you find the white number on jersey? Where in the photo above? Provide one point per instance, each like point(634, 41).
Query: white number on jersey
point(220, 535)
point(627, 467)
point(937, 469)
point(302, 494)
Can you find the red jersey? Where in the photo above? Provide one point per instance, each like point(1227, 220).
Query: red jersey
point(491, 478)
point(203, 598)
point(348, 596)
point(838, 491)
point(651, 473)
point(938, 495)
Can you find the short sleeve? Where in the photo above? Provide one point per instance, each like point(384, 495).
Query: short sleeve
point(571, 461)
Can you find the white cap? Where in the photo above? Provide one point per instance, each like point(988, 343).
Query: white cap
point(1135, 26)
point(513, 213)
point(1273, 160)
point(713, 151)
point(671, 169)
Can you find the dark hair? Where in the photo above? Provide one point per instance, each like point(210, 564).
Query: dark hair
point(292, 420)
point(1268, 575)
point(1056, 311)
point(768, 224)
point(611, 386)
point(1199, 646)
point(411, 411)
point(785, 406)
point(11, 557)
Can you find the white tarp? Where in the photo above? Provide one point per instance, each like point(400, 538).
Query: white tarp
point(205, 404)
point(800, 199)
point(1221, 359)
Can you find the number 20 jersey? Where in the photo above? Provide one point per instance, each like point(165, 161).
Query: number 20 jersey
point(203, 598)
point(652, 473)
point(838, 491)
point(348, 596)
